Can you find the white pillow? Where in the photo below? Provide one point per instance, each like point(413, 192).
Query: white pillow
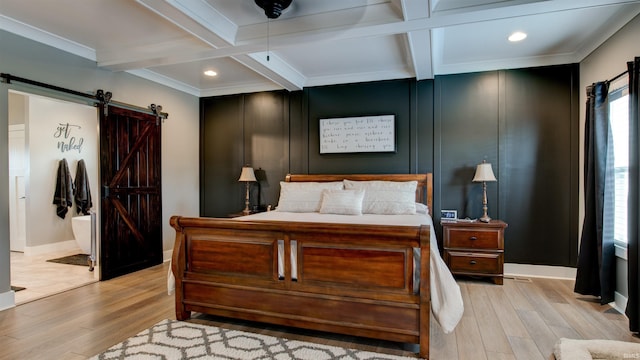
point(422, 208)
point(342, 202)
point(386, 197)
point(303, 196)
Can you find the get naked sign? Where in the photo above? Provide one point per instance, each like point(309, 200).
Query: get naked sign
point(67, 141)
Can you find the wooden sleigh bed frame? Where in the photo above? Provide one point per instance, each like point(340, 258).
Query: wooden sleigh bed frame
point(351, 279)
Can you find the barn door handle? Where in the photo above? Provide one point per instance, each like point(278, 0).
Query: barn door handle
point(105, 191)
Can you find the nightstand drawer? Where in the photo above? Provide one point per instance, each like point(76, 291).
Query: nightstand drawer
point(473, 238)
point(468, 262)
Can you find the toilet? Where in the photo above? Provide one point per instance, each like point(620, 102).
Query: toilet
point(81, 226)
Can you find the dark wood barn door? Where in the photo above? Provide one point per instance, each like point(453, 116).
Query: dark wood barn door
point(131, 216)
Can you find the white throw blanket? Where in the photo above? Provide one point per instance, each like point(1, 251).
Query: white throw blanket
point(446, 300)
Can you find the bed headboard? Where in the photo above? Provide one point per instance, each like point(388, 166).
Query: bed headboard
point(424, 190)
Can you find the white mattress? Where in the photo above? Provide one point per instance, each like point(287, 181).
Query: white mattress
point(446, 299)
point(372, 219)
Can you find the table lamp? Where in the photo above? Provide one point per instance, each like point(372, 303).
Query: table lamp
point(483, 174)
point(247, 176)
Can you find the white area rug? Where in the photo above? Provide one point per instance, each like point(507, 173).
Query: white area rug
point(570, 349)
point(171, 339)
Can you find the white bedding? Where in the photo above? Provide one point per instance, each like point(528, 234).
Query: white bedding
point(446, 299)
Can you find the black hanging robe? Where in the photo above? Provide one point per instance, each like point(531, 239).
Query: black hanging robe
point(81, 189)
point(63, 195)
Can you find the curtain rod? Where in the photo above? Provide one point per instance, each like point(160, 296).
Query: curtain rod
point(618, 76)
point(8, 78)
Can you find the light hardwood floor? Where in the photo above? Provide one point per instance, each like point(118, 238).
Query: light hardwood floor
point(41, 278)
point(522, 319)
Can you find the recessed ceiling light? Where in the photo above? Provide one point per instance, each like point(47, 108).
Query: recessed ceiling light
point(517, 36)
point(210, 73)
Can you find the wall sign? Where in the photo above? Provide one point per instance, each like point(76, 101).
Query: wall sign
point(67, 140)
point(358, 134)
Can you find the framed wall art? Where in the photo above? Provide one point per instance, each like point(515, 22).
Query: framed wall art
point(358, 134)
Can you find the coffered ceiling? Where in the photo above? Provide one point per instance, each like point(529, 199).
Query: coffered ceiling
point(314, 42)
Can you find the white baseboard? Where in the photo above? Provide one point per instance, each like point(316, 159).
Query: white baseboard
point(620, 303)
point(7, 300)
point(51, 248)
point(166, 255)
point(542, 271)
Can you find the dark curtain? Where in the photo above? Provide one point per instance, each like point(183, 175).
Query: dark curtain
point(596, 259)
point(633, 301)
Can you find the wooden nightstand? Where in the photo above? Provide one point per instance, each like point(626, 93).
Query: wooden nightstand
point(240, 213)
point(475, 248)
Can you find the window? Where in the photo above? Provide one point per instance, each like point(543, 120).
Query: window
point(619, 119)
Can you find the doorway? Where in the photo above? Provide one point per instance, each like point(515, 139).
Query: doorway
point(42, 132)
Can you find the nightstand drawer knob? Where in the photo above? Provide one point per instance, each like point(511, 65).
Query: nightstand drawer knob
point(473, 238)
point(472, 262)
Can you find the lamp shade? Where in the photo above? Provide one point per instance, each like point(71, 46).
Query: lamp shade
point(247, 174)
point(484, 173)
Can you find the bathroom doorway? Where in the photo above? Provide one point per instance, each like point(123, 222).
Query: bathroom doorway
point(45, 132)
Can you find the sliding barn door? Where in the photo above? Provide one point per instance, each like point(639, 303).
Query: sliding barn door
point(131, 237)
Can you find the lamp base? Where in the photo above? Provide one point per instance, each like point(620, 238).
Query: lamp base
point(246, 210)
point(485, 209)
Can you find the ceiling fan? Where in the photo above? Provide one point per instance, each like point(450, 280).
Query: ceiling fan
point(273, 8)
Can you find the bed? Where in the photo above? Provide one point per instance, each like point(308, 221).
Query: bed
point(358, 274)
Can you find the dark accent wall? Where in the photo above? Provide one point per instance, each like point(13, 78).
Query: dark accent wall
point(540, 165)
point(524, 122)
point(467, 129)
point(238, 130)
point(221, 154)
point(382, 98)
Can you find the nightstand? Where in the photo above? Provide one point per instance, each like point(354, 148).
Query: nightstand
point(234, 215)
point(475, 248)
point(241, 213)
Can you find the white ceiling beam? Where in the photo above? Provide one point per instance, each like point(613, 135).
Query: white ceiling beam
point(420, 52)
point(44, 37)
point(197, 18)
point(415, 9)
point(433, 5)
point(238, 88)
point(358, 77)
point(419, 41)
point(164, 80)
point(274, 69)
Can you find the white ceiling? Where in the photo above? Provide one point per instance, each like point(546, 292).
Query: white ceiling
point(314, 42)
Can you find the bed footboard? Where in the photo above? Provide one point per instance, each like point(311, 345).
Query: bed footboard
point(349, 279)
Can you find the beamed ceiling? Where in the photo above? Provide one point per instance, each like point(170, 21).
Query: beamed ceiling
point(314, 42)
